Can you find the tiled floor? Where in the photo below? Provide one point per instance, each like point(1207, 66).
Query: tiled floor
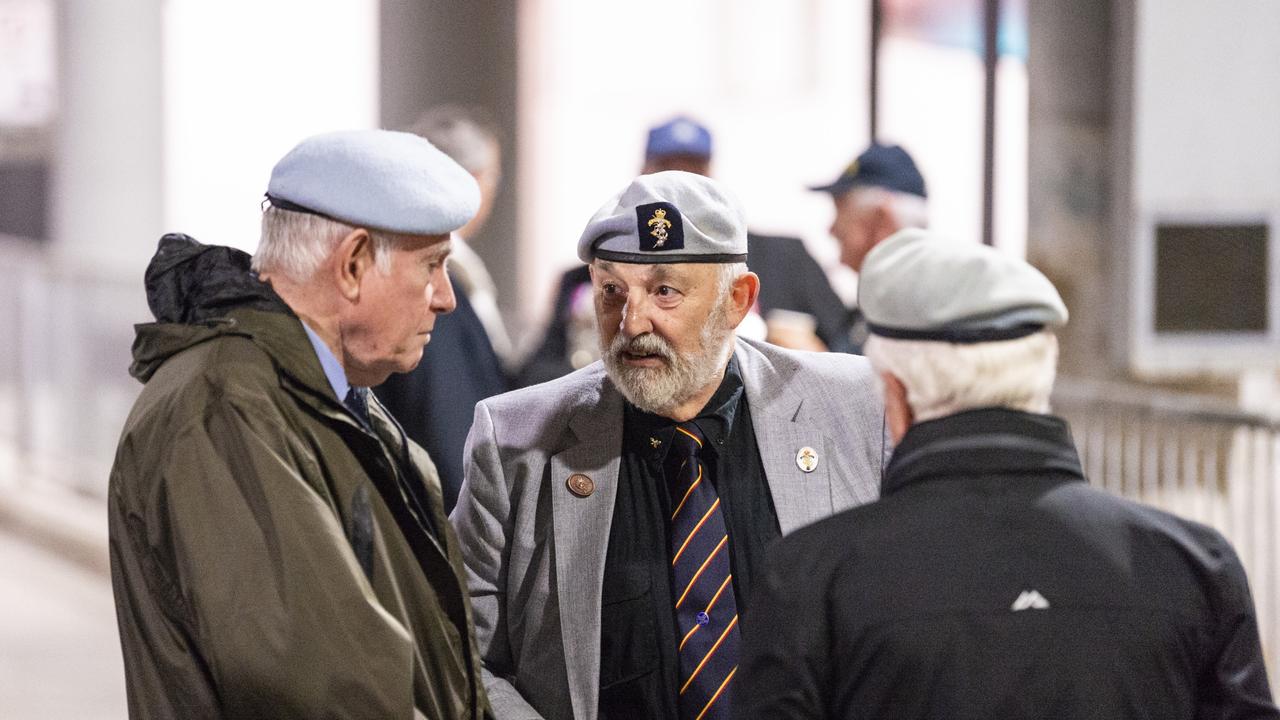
point(59, 651)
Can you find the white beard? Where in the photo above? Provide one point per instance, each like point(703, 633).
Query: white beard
point(660, 390)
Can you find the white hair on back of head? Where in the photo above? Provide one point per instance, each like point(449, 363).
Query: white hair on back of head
point(296, 244)
point(910, 211)
point(944, 378)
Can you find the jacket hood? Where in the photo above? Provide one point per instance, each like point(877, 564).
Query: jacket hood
point(191, 290)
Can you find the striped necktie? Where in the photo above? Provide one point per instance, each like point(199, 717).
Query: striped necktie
point(702, 583)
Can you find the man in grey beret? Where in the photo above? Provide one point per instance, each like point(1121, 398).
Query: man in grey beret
point(278, 548)
point(990, 581)
point(614, 520)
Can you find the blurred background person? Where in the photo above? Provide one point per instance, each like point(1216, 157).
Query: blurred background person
point(465, 361)
point(990, 580)
point(796, 302)
point(878, 194)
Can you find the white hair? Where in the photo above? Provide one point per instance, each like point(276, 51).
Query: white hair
point(910, 211)
point(296, 244)
point(726, 273)
point(662, 390)
point(944, 378)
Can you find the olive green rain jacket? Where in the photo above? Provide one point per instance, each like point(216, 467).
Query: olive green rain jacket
point(264, 554)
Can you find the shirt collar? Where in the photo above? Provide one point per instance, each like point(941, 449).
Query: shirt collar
point(987, 441)
point(650, 434)
point(329, 362)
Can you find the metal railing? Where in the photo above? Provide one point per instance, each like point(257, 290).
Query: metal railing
point(65, 390)
point(1197, 457)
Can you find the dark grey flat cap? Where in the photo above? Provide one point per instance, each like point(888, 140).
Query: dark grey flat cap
point(376, 179)
point(667, 217)
point(915, 286)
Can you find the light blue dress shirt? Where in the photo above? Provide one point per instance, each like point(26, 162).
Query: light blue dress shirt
point(329, 362)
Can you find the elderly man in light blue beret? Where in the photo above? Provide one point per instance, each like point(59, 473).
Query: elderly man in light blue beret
point(991, 581)
point(614, 520)
point(278, 548)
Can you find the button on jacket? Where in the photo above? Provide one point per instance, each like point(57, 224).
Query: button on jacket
point(992, 582)
point(536, 552)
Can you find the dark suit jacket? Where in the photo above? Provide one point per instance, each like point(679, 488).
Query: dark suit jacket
point(435, 401)
point(790, 279)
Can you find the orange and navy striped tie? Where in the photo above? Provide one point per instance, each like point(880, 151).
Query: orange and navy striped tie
point(702, 582)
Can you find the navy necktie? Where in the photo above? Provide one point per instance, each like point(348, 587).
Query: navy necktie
point(702, 583)
point(357, 401)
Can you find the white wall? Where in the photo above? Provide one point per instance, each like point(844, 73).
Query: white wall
point(783, 87)
point(1206, 144)
point(244, 81)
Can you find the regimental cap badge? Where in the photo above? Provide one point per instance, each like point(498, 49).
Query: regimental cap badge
point(660, 227)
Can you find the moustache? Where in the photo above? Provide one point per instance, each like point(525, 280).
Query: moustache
point(646, 344)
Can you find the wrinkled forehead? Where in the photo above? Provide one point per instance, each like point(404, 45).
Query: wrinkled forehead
point(654, 272)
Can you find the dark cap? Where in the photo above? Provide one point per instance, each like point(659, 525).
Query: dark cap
point(885, 166)
point(678, 136)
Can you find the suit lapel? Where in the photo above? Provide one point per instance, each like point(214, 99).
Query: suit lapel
point(581, 526)
point(783, 427)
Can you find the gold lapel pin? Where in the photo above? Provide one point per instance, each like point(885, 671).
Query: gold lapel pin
point(807, 459)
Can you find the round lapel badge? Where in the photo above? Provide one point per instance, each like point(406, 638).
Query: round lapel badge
point(580, 485)
point(807, 459)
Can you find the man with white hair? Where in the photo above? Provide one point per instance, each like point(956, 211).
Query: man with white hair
point(878, 194)
point(991, 581)
point(614, 520)
point(278, 548)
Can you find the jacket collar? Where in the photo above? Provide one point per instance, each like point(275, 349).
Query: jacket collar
point(989, 441)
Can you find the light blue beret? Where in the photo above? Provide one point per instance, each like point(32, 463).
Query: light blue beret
point(916, 286)
point(667, 217)
point(376, 179)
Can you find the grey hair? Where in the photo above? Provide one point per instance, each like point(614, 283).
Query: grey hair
point(946, 378)
point(461, 133)
point(296, 244)
point(726, 273)
point(910, 211)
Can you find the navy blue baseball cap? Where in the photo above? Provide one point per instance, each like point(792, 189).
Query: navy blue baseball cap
point(886, 166)
point(678, 136)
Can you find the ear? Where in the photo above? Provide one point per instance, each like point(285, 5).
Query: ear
point(886, 221)
point(742, 297)
point(353, 258)
point(897, 411)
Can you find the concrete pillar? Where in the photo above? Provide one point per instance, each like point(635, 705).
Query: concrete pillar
point(1073, 163)
point(107, 190)
point(464, 53)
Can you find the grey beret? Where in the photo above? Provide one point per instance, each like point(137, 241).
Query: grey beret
point(916, 286)
point(377, 179)
point(667, 217)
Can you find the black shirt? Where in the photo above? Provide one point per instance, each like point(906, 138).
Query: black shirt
point(639, 666)
point(991, 581)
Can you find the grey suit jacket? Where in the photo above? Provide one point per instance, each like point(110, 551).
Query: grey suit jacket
point(535, 551)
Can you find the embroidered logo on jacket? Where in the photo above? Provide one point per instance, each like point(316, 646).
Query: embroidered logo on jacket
point(1030, 600)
